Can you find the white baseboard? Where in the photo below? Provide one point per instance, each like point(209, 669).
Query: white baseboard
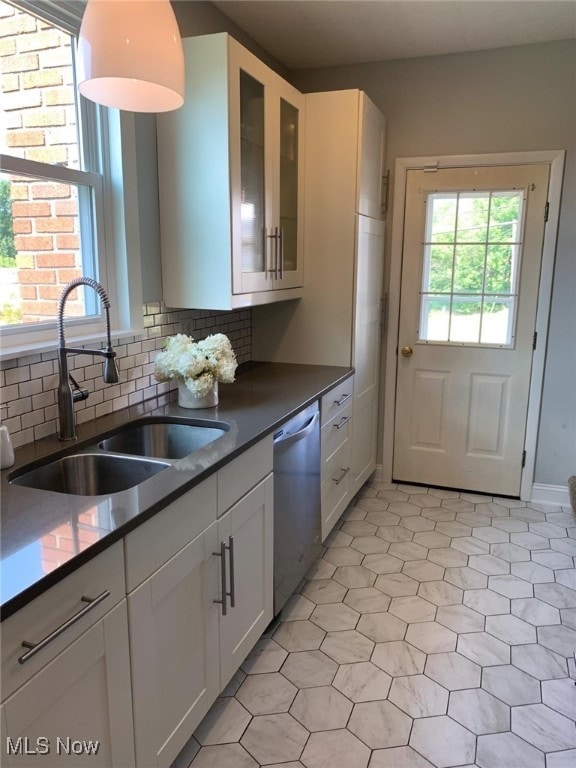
point(551, 494)
point(377, 474)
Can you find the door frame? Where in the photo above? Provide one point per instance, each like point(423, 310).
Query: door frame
point(556, 159)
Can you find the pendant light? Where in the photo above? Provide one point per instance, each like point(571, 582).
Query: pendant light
point(130, 55)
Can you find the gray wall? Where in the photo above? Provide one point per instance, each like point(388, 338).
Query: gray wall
point(511, 99)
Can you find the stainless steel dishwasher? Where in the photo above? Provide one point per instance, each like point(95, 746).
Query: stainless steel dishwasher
point(297, 536)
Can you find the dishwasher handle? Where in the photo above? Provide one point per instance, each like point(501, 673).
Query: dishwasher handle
point(292, 437)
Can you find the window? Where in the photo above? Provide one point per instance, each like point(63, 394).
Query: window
point(471, 251)
point(56, 181)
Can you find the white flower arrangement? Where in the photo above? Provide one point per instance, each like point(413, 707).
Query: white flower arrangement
point(197, 363)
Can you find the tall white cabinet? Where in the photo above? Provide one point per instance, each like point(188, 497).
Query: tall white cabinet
point(337, 322)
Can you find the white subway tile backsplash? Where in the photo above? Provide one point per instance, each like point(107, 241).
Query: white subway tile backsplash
point(10, 392)
point(29, 360)
point(16, 375)
point(44, 430)
point(43, 400)
point(41, 369)
point(18, 407)
point(22, 437)
point(28, 388)
point(29, 384)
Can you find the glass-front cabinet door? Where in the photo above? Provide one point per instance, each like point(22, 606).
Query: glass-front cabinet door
point(266, 215)
point(250, 263)
point(289, 266)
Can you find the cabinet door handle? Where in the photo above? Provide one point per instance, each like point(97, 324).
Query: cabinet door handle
point(232, 593)
point(343, 399)
point(222, 556)
point(281, 236)
point(34, 648)
point(343, 472)
point(270, 254)
point(343, 422)
point(276, 252)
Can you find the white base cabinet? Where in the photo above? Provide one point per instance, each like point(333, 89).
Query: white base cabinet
point(126, 682)
point(173, 634)
point(250, 525)
point(185, 643)
point(77, 711)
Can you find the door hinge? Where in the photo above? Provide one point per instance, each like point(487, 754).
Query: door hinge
point(385, 193)
point(384, 313)
point(523, 459)
point(534, 339)
point(546, 211)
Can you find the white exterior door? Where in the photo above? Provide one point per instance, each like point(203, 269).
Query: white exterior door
point(470, 275)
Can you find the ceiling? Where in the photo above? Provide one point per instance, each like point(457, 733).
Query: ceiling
point(303, 34)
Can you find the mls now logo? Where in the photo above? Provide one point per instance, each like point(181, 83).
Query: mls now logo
point(23, 745)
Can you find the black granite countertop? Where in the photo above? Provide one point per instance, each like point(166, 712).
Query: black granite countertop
point(46, 535)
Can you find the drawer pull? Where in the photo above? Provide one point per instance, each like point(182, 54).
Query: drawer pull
point(34, 648)
point(342, 474)
point(344, 420)
point(343, 399)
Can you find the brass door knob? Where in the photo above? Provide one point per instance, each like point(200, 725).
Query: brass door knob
point(406, 351)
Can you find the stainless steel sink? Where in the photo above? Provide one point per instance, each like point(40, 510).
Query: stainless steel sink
point(163, 438)
point(90, 474)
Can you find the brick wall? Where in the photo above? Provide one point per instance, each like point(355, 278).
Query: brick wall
point(28, 385)
point(40, 121)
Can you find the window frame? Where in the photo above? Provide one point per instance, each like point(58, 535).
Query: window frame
point(108, 144)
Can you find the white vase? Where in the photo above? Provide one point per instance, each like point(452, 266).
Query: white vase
point(187, 399)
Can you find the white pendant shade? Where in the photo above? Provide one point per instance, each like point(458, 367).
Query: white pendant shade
point(130, 55)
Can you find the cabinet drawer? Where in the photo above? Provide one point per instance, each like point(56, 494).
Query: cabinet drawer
point(157, 540)
point(338, 461)
point(246, 471)
point(47, 613)
point(334, 400)
point(336, 431)
point(335, 489)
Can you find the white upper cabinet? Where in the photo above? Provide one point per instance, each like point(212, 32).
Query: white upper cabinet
point(230, 169)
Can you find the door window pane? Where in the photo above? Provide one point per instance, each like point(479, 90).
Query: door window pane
point(465, 319)
point(473, 211)
point(499, 260)
point(439, 263)
point(435, 319)
point(470, 267)
point(496, 319)
point(441, 218)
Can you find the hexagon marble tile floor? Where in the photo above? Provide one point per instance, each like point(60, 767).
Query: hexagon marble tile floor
point(438, 629)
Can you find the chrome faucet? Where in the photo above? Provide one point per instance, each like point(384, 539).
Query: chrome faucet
point(66, 395)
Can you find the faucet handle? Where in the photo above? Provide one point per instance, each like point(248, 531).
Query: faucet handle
point(78, 393)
